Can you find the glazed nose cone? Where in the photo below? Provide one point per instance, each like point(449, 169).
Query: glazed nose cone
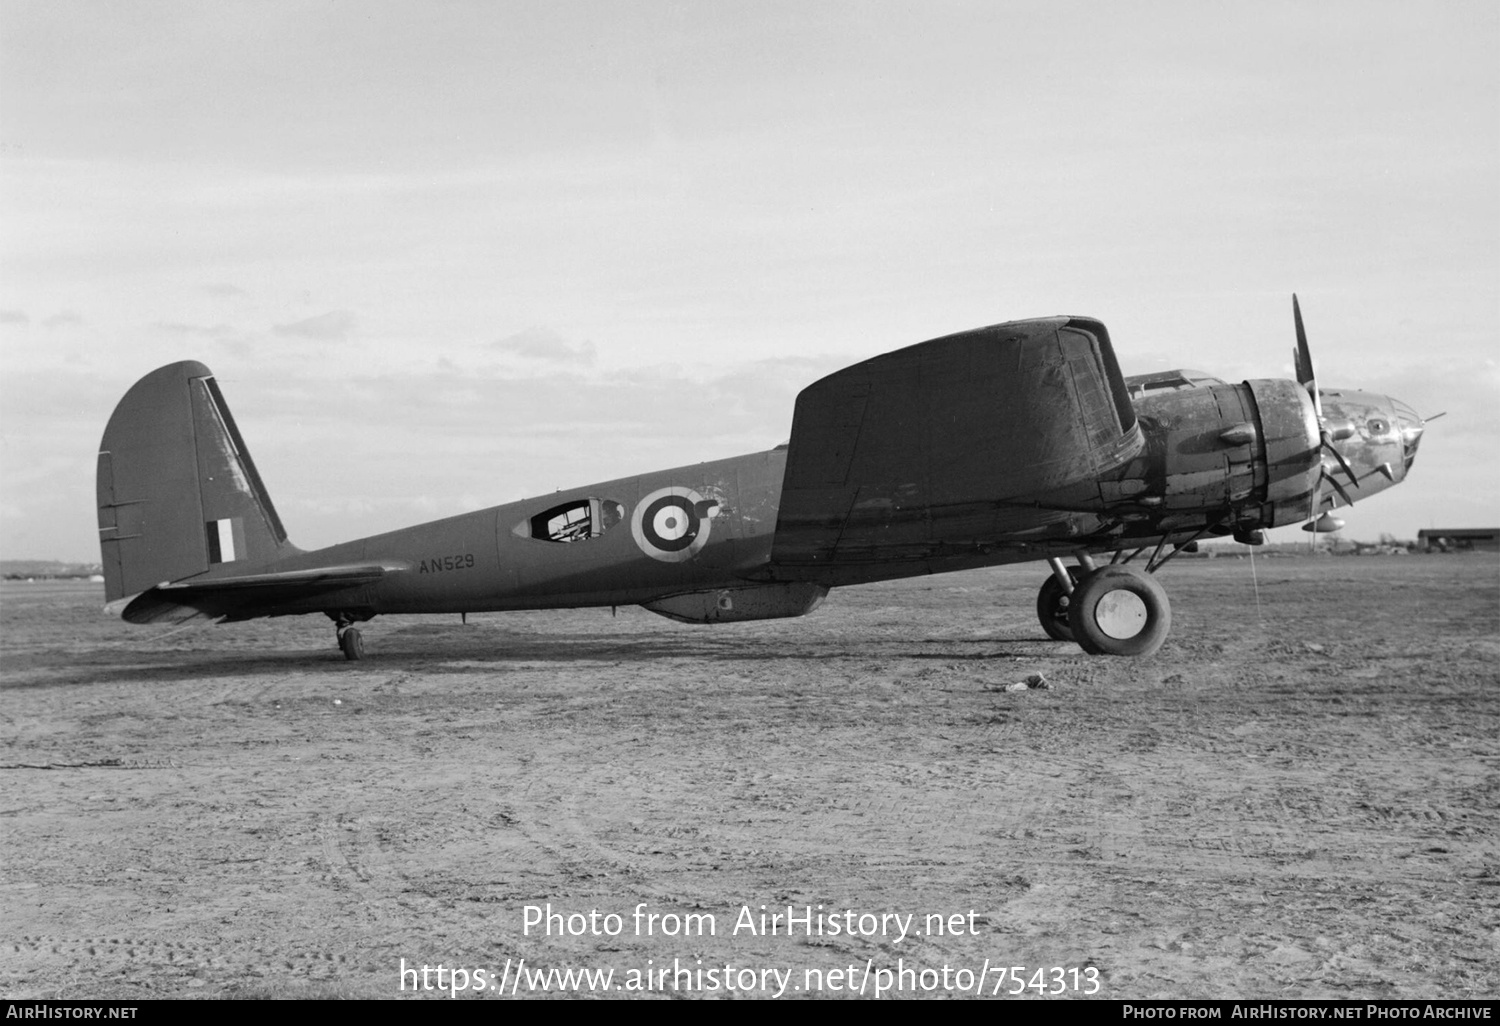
point(1410, 426)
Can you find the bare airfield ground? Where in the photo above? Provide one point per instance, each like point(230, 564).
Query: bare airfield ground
point(1300, 804)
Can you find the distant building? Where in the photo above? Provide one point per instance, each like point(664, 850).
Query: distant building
point(1459, 539)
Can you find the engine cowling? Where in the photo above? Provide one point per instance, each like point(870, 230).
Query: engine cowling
point(1250, 449)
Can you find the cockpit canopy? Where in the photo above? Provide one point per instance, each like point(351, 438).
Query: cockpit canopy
point(1161, 382)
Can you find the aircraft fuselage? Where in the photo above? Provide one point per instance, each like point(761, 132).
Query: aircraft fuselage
point(1014, 442)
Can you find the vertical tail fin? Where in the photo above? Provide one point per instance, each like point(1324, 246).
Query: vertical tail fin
point(178, 493)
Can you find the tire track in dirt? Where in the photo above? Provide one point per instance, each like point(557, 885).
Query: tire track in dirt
point(158, 964)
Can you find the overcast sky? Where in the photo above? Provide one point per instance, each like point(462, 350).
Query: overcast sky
point(447, 255)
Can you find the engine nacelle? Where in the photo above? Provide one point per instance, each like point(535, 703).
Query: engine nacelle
point(1251, 448)
point(1288, 454)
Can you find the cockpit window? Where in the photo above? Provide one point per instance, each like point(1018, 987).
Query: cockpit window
point(564, 525)
point(1141, 385)
point(577, 520)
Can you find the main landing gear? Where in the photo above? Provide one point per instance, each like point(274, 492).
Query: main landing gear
point(1109, 610)
point(1053, 602)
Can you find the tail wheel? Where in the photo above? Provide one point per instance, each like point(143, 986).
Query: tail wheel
point(1052, 604)
point(352, 645)
point(1119, 610)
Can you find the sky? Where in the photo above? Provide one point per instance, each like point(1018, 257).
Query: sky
point(447, 255)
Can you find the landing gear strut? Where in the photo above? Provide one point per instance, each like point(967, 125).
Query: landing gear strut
point(1052, 604)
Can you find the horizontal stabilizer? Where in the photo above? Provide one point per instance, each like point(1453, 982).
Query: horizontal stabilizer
point(239, 598)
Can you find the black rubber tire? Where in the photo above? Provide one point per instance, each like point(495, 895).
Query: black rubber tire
point(1097, 619)
point(352, 644)
point(1052, 606)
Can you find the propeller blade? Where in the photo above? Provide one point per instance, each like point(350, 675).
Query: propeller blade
point(1338, 488)
point(1328, 444)
point(1306, 376)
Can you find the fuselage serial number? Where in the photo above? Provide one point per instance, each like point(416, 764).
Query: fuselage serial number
point(438, 564)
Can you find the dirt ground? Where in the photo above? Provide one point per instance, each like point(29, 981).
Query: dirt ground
point(1299, 799)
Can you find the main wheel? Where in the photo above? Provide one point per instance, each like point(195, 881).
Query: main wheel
point(1052, 606)
point(352, 644)
point(1119, 610)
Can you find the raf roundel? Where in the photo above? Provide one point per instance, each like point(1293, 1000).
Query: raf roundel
point(672, 524)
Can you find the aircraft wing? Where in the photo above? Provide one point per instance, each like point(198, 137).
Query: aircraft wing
point(970, 440)
point(244, 596)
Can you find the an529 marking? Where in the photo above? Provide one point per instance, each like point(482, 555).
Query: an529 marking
point(436, 565)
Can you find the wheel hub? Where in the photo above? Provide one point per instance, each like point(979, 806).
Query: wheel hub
point(1121, 614)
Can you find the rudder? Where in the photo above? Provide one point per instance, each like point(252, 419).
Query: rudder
point(178, 493)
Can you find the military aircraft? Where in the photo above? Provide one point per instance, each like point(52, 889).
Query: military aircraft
point(1015, 442)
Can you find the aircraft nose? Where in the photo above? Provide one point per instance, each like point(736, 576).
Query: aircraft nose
point(1410, 426)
